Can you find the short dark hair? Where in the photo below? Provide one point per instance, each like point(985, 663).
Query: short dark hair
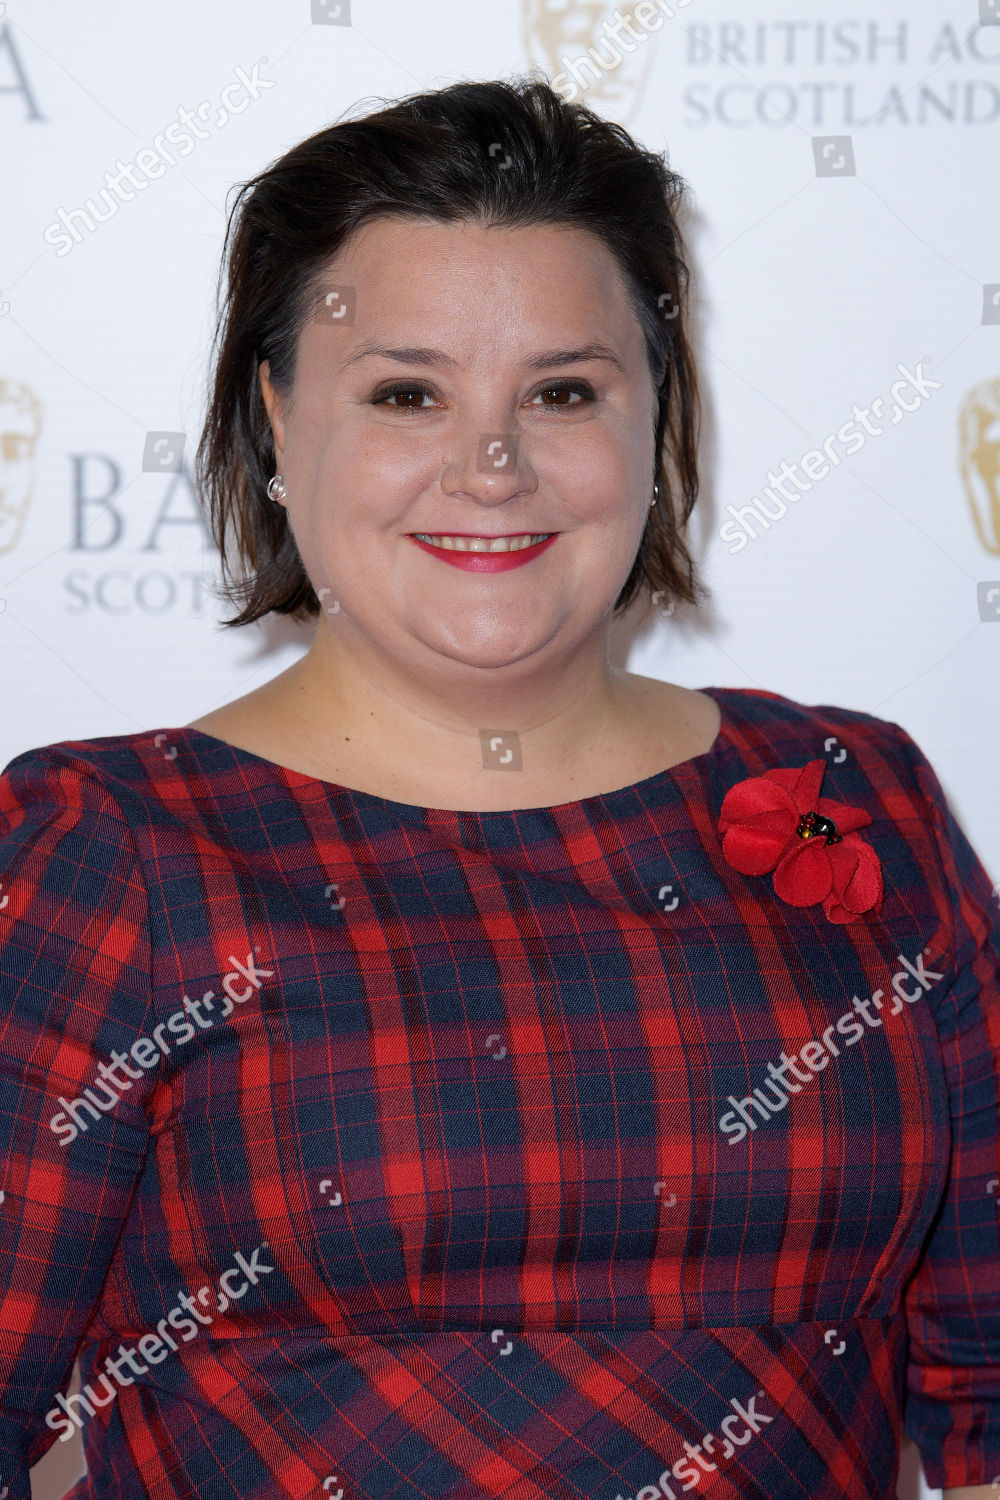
point(435, 155)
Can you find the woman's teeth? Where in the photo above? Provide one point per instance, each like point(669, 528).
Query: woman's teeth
point(483, 543)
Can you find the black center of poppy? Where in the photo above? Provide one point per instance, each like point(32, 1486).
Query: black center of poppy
point(813, 825)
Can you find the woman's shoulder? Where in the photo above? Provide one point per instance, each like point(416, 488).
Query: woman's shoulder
point(116, 774)
point(96, 755)
point(868, 761)
point(774, 727)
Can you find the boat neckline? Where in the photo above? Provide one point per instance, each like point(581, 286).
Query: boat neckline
point(647, 783)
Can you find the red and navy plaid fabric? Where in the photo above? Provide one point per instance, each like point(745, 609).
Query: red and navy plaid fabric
point(411, 1181)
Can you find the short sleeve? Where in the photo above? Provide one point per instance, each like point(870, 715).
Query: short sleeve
point(74, 987)
point(952, 1303)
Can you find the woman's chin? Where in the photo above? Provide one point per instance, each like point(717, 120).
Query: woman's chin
point(502, 645)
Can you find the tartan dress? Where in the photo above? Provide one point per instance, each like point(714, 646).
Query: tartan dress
point(360, 1149)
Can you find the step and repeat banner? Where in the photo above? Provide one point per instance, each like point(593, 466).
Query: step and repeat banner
point(844, 228)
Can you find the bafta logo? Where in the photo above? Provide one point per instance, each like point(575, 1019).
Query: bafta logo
point(593, 53)
point(979, 455)
point(20, 424)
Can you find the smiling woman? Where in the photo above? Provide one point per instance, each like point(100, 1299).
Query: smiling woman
point(467, 387)
point(521, 931)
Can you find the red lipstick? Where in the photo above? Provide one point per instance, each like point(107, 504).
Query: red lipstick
point(486, 562)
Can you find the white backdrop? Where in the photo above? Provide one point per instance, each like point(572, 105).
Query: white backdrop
point(846, 238)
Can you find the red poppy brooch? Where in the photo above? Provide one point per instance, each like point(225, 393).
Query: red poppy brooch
point(779, 822)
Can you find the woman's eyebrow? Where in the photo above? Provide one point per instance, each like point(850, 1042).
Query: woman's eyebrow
point(418, 355)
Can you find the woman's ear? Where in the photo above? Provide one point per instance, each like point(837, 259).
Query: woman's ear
point(275, 411)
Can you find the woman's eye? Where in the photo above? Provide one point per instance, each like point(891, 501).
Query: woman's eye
point(386, 398)
point(566, 388)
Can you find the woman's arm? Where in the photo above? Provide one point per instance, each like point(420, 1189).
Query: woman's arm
point(74, 985)
point(952, 1303)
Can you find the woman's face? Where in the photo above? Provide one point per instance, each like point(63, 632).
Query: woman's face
point(491, 418)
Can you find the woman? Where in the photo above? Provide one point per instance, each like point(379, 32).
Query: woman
point(593, 1088)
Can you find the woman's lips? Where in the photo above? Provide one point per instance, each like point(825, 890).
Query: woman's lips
point(486, 562)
